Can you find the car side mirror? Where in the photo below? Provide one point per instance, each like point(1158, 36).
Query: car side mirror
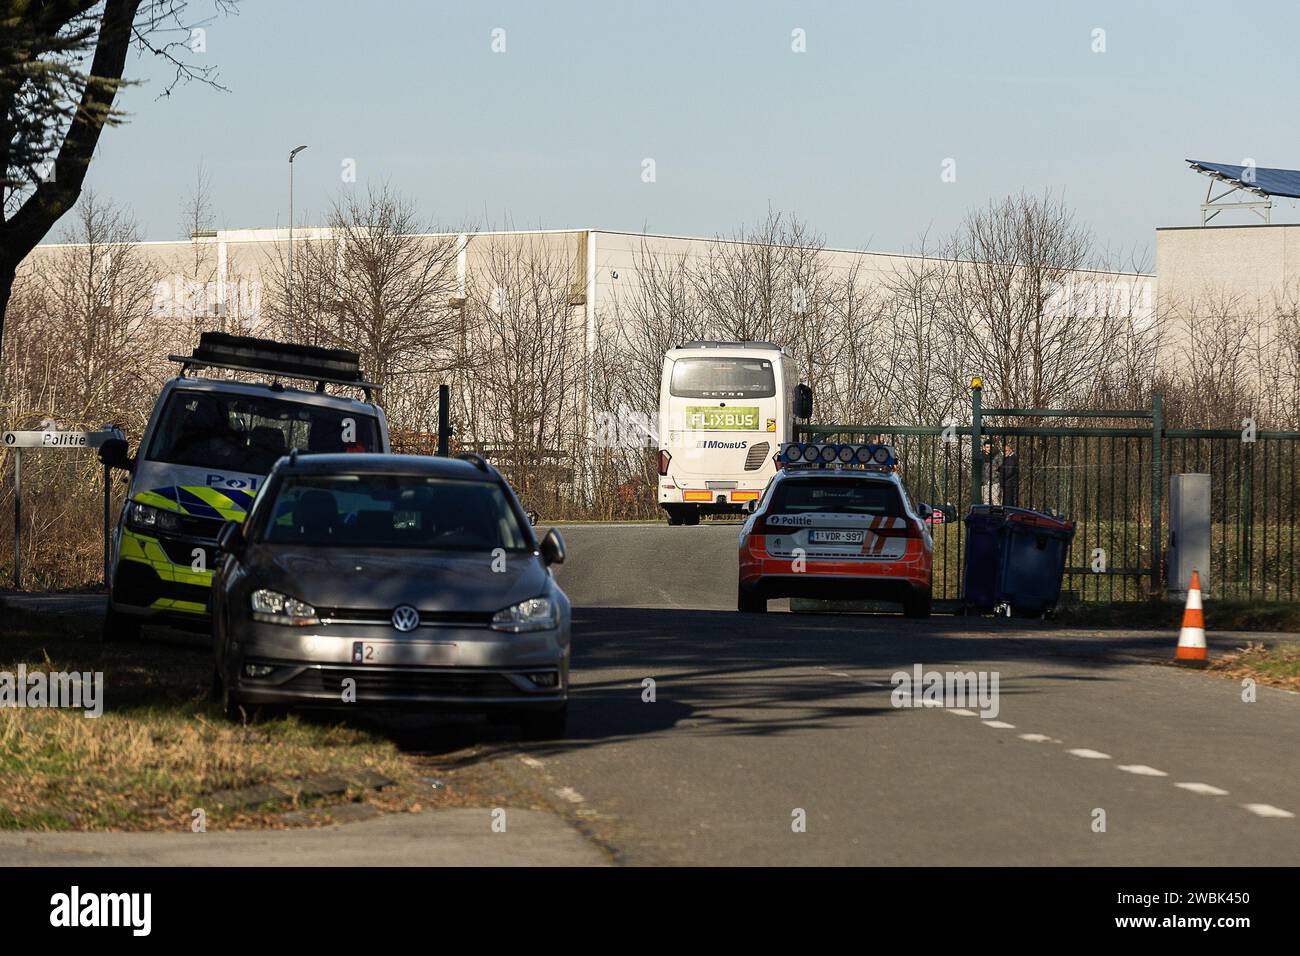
point(949, 512)
point(552, 547)
point(751, 506)
point(924, 511)
point(230, 539)
point(803, 401)
point(113, 454)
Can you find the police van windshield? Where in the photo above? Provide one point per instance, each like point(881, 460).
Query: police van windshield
point(394, 511)
point(248, 433)
point(838, 496)
point(722, 378)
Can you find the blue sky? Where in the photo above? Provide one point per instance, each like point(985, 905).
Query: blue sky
point(851, 135)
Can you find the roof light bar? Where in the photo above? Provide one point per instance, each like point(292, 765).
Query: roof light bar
point(822, 454)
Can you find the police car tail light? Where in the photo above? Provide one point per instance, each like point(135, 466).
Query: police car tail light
point(664, 460)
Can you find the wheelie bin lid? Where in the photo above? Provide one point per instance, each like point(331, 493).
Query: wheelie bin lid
point(1024, 518)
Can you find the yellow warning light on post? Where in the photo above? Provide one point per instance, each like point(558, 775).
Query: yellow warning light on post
point(977, 382)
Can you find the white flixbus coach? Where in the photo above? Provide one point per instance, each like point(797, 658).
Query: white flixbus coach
point(724, 410)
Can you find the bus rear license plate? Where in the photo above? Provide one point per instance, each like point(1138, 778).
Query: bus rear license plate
point(835, 537)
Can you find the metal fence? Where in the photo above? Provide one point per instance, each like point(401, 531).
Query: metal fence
point(1112, 481)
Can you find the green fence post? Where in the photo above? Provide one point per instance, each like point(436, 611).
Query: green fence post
point(976, 457)
point(1157, 489)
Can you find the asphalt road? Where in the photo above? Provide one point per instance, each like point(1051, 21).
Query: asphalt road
point(760, 719)
point(756, 717)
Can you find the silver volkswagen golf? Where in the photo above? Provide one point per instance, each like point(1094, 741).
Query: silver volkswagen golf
point(362, 580)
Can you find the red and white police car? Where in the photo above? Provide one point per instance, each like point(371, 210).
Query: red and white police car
point(836, 523)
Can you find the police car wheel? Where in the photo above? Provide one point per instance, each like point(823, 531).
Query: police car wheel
point(119, 627)
point(748, 602)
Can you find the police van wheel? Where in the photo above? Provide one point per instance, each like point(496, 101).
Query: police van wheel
point(748, 602)
point(118, 627)
point(918, 606)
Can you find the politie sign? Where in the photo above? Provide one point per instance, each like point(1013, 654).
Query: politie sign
point(58, 439)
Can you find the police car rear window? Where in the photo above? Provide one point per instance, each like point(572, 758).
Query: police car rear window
point(877, 498)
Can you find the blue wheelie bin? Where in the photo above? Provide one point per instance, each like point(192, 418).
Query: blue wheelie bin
point(1014, 557)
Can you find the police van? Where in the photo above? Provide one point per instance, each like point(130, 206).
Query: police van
point(205, 452)
point(724, 409)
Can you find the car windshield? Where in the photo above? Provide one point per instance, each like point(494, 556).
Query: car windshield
point(837, 496)
point(248, 433)
point(723, 378)
point(394, 511)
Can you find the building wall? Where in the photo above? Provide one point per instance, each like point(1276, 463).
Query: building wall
point(1246, 263)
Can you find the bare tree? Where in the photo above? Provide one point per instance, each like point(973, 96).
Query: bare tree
point(61, 66)
point(1018, 297)
point(378, 281)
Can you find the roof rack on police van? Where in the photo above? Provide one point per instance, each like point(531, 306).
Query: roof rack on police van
point(710, 344)
point(282, 359)
point(872, 456)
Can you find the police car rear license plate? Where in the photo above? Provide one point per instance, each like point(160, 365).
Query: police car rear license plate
point(835, 537)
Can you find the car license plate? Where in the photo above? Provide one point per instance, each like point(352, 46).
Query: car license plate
point(835, 537)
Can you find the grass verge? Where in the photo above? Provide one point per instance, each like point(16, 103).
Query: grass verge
point(1224, 615)
point(161, 749)
point(1278, 665)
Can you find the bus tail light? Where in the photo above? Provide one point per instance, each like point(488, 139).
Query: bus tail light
point(664, 459)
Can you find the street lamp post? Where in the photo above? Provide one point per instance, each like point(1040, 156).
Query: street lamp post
point(292, 153)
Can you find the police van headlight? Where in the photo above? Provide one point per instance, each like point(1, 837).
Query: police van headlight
point(151, 520)
point(535, 614)
point(272, 607)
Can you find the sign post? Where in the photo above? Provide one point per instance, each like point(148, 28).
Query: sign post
point(53, 438)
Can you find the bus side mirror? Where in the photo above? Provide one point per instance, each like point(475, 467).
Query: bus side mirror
point(113, 454)
point(803, 401)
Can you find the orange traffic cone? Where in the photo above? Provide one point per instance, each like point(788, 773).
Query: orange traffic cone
point(1191, 639)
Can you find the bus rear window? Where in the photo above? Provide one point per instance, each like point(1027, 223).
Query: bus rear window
point(876, 498)
point(722, 378)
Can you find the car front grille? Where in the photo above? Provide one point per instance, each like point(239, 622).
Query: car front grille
point(410, 682)
point(356, 615)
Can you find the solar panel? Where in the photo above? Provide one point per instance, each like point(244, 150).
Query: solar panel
point(1271, 182)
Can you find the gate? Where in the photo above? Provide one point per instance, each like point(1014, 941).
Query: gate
point(1110, 479)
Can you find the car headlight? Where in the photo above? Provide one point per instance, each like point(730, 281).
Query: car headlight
point(535, 614)
point(151, 520)
point(272, 607)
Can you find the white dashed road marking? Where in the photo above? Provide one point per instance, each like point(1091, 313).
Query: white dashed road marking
point(1142, 770)
point(998, 724)
point(1204, 788)
point(1266, 810)
point(1038, 738)
point(568, 793)
point(1088, 754)
point(961, 712)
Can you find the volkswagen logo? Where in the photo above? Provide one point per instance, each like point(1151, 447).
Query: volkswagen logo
point(406, 618)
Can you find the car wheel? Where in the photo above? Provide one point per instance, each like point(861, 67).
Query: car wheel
point(749, 602)
point(918, 606)
point(544, 725)
point(118, 627)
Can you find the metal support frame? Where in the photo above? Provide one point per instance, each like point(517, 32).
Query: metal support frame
point(1214, 205)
